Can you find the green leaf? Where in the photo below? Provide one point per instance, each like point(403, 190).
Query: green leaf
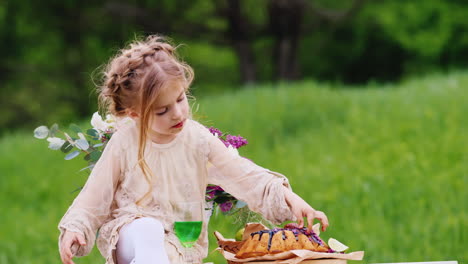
point(53, 130)
point(95, 155)
point(87, 157)
point(93, 133)
point(77, 189)
point(75, 128)
point(66, 147)
point(82, 144)
point(41, 132)
point(90, 167)
point(72, 155)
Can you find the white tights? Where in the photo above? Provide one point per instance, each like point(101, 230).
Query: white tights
point(142, 242)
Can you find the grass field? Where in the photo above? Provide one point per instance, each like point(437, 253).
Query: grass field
point(387, 163)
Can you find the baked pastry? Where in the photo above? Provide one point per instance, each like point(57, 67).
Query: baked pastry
point(229, 245)
point(277, 240)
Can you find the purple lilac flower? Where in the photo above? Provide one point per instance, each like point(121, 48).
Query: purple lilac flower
point(209, 195)
point(236, 141)
point(226, 207)
point(212, 188)
point(104, 138)
point(212, 191)
point(226, 143)
point(215, 131)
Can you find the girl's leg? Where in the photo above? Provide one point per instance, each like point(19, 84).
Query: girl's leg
point(142, 242)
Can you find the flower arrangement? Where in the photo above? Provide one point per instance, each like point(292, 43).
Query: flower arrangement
point(91, 144)
point(227, 203)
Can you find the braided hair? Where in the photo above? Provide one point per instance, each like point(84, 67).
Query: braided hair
point(133, 80)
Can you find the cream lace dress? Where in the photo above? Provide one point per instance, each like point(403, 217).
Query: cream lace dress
point(108, 199)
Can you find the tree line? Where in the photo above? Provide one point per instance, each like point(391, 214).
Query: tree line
point(51, 51)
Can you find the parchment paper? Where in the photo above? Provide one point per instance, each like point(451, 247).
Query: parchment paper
point(288, 257)
point(295, 256)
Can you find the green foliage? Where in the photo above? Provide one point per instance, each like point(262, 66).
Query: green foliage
point(215, 63)
point(52, 52)
point(429, 31)
point(387, 163)
point(90, 144)
point(388, 40)
point(422, 27)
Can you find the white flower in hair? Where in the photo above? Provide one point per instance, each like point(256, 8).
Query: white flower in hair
point(98, 123)
point(108, 125)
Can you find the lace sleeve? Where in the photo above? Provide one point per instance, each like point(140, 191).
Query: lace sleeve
point(92, 205)
point(261, 189)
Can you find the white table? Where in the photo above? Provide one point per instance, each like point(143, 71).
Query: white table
point(428, 262)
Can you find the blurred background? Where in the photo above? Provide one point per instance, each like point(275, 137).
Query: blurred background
point(362, 104)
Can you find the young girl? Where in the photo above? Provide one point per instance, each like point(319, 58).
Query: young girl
point(159, 161)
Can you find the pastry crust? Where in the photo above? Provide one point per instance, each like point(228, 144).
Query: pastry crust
point(273, 241)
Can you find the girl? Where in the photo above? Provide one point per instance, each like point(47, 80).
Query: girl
point(151, 165)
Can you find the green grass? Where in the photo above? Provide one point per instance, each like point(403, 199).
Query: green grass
point(387, 163)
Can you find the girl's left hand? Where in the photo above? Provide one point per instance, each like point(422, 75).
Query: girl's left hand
point(301, 209)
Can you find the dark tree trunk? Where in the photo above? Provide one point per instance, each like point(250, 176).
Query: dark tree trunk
point(247, 66)
point(285, 23)
point(74, 58)
point(238, 34)
point(7, 46)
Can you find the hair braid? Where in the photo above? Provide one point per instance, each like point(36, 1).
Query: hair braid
point(132, 81)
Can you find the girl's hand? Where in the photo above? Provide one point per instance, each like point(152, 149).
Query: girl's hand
point(302, 209)
point(70, 239)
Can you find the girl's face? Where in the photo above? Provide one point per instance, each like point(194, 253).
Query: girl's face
point(170, 113)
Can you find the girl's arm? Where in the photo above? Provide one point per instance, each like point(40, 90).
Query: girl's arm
point(92, 205)
point(266, 192)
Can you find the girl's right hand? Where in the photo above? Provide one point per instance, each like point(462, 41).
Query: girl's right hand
point(69, 239)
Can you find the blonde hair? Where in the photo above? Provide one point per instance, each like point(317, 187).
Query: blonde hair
point(133, 80)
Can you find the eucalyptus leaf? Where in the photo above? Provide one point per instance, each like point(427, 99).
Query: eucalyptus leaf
point(72, 155)
point(55, 143)
point(82, 144)
point(77, 189)
point(95, 155)
point(93, 133)
point(75, 128)
point(81, 136)
point(98, 145)
point(90, 167)
point(69, 139)
point(66, 147)
point(53, 130)
point(41, 132)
